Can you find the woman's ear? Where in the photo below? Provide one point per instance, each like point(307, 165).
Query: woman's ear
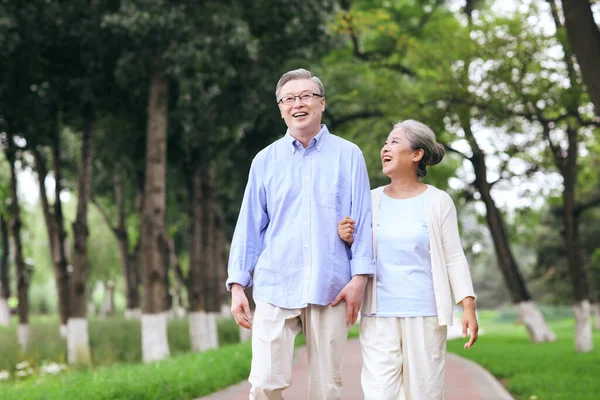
point(418, 155)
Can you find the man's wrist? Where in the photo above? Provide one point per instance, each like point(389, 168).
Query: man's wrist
point(236, 287)
point(361, 278)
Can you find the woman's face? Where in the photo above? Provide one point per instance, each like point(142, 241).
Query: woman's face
point(397, 157)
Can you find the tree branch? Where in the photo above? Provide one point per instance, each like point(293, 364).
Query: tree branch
point(453, 150)
point(335, 122)
point(581, 207)
point(372, 56)
point(556, 151)
point(105, 216)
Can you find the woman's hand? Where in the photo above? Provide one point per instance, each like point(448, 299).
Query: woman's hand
point(469, 321)
point(346, 230)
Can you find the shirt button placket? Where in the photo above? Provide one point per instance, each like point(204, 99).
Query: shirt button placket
point(306, 215)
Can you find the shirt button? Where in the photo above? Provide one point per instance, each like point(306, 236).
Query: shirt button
point(306, 246)
point(306, 177)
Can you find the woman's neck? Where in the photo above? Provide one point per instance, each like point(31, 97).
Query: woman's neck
point(405, 187)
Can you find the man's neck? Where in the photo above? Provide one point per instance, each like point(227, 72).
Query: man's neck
point(305, 136)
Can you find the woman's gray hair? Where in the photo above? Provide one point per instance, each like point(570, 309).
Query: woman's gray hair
point(295, 74)
point(420, 136)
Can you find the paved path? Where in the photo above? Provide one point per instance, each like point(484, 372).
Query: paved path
point(465, 380)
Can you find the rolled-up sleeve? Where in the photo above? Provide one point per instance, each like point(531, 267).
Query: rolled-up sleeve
point(247, 241)
point(360, 211)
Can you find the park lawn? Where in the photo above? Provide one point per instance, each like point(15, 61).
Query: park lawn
point(184, 376)
point(112, 340)
point(542, 371)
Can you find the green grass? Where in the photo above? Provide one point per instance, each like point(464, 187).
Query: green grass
point(112, 340)
point(546, 371)
point(183, 377)
point(535, 371)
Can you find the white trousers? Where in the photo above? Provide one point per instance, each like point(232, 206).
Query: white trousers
point(273, 332)
point(403, 358)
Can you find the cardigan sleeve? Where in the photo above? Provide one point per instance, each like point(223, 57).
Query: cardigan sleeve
point(456, 261)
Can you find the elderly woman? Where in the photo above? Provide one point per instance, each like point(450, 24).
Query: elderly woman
point(419, 261)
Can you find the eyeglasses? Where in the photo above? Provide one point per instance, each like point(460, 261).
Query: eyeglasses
point(304, 98)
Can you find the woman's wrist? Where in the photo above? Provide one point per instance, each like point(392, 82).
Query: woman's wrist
point(468, 304)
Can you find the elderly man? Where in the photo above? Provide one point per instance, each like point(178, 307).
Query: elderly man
point(305, 277)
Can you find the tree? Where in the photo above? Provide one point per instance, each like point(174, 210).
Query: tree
point(22, 272)
point(584, 40)
point(402, 42)
point(538, 96)
point(4, 273)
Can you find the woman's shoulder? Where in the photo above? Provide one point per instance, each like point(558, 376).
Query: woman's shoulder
point(378, 189)
point(439, 196)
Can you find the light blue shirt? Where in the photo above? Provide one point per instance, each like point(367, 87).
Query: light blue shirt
point(287, 227)
point(404, 278)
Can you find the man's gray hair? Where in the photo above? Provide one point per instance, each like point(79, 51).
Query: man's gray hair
point(295, 74)
point(420, 136)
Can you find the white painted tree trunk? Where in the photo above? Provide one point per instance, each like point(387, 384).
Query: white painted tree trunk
point(203, 331)
point(583, 327)
point(4, 312)
point(63, 331)
point(225, 311)
point(133, 313)
point(155, 345)
point(245, 335)
point(23, 336)
point(596, 307)
point(532, 318)
point(78, 342)
point(213, 330)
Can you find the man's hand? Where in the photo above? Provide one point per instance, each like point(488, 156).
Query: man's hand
point(352, 294)
point(469, 321)
point(240, 308)
point(346, 230)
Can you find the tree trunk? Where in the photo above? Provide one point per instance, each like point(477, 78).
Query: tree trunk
point(596, 308)
point(108, 304)
point(78, 345)
point(221, 243)
point(532, 318)
point(154, 249)
point(583, 327)
point(4, 274)
point(196, 284)
point(584, 41)
point(129, 258)
point(176, 306)
point(21, 269)
point(567, 165)
point(212, 292)
point(52, 223)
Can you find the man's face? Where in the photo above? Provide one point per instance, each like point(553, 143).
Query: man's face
point(302, 117)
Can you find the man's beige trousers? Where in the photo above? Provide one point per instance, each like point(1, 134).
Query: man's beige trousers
point(273, 332)
point(403, 358)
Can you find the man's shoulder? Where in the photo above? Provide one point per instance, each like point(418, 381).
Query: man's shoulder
point(263, 154)
point(340, 142)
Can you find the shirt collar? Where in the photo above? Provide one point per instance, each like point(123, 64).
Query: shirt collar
point(318, 141)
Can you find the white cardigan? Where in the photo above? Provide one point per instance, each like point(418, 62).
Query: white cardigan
point(448, 262)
